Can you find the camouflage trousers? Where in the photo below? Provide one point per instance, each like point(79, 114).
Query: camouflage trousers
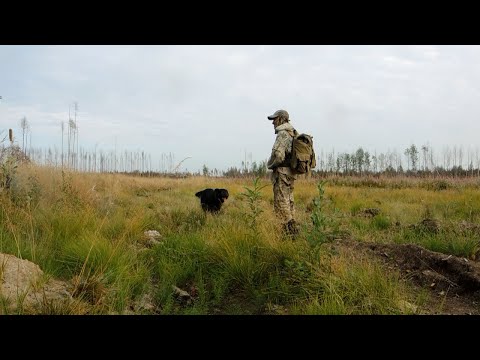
point(283, 203)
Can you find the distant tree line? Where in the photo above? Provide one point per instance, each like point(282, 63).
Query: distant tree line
point(413, 161)
point(421, 161)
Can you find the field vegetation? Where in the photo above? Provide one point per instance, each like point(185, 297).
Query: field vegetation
point(88, 229)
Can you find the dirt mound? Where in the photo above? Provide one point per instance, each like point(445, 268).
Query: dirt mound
point(370, 212)
point(428, 225)
point(24, 287)
point(452, 279)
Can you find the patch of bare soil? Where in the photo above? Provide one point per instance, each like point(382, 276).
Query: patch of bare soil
point(453, 282)
point(238, 303)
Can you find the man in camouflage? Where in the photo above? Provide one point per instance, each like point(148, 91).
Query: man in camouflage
point(283, 178)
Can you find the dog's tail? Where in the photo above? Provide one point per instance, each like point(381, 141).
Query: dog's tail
point(199, 194)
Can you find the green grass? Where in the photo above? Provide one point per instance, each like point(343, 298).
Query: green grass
point(447, 241)
point(356, 286)
point(87, 229)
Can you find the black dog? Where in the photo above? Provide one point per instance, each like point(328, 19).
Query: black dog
point(212, 200)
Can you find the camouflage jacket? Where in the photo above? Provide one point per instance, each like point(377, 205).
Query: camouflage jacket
point(282, 149)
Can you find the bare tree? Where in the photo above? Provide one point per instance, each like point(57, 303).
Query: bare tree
point(408, 155)
point(432, 162)
point(477, 161)
point(425, 156)
point(71, 142)
point(76, 133)
point(448, 158)
point(62, 142)
point(24, 125)
point(460, 157)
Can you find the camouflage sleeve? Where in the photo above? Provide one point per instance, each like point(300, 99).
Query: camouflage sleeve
point(278, 150)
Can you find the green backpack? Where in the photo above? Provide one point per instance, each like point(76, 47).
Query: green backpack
point(303, 155)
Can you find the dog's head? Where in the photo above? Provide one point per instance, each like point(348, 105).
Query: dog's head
point(221, 194)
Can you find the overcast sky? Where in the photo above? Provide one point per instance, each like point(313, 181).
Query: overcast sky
point(211, 103)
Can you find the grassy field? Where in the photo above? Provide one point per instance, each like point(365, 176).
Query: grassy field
point(88, 229)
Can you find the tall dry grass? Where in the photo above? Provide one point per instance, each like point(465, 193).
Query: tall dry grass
point(88, 229)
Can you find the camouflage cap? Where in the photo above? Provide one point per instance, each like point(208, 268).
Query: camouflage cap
point(278, 113)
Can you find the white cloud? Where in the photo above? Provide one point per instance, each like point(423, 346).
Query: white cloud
point(393, 60)
point(211, 102)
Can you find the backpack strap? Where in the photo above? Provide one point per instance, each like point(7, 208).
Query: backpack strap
point(292, 133)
